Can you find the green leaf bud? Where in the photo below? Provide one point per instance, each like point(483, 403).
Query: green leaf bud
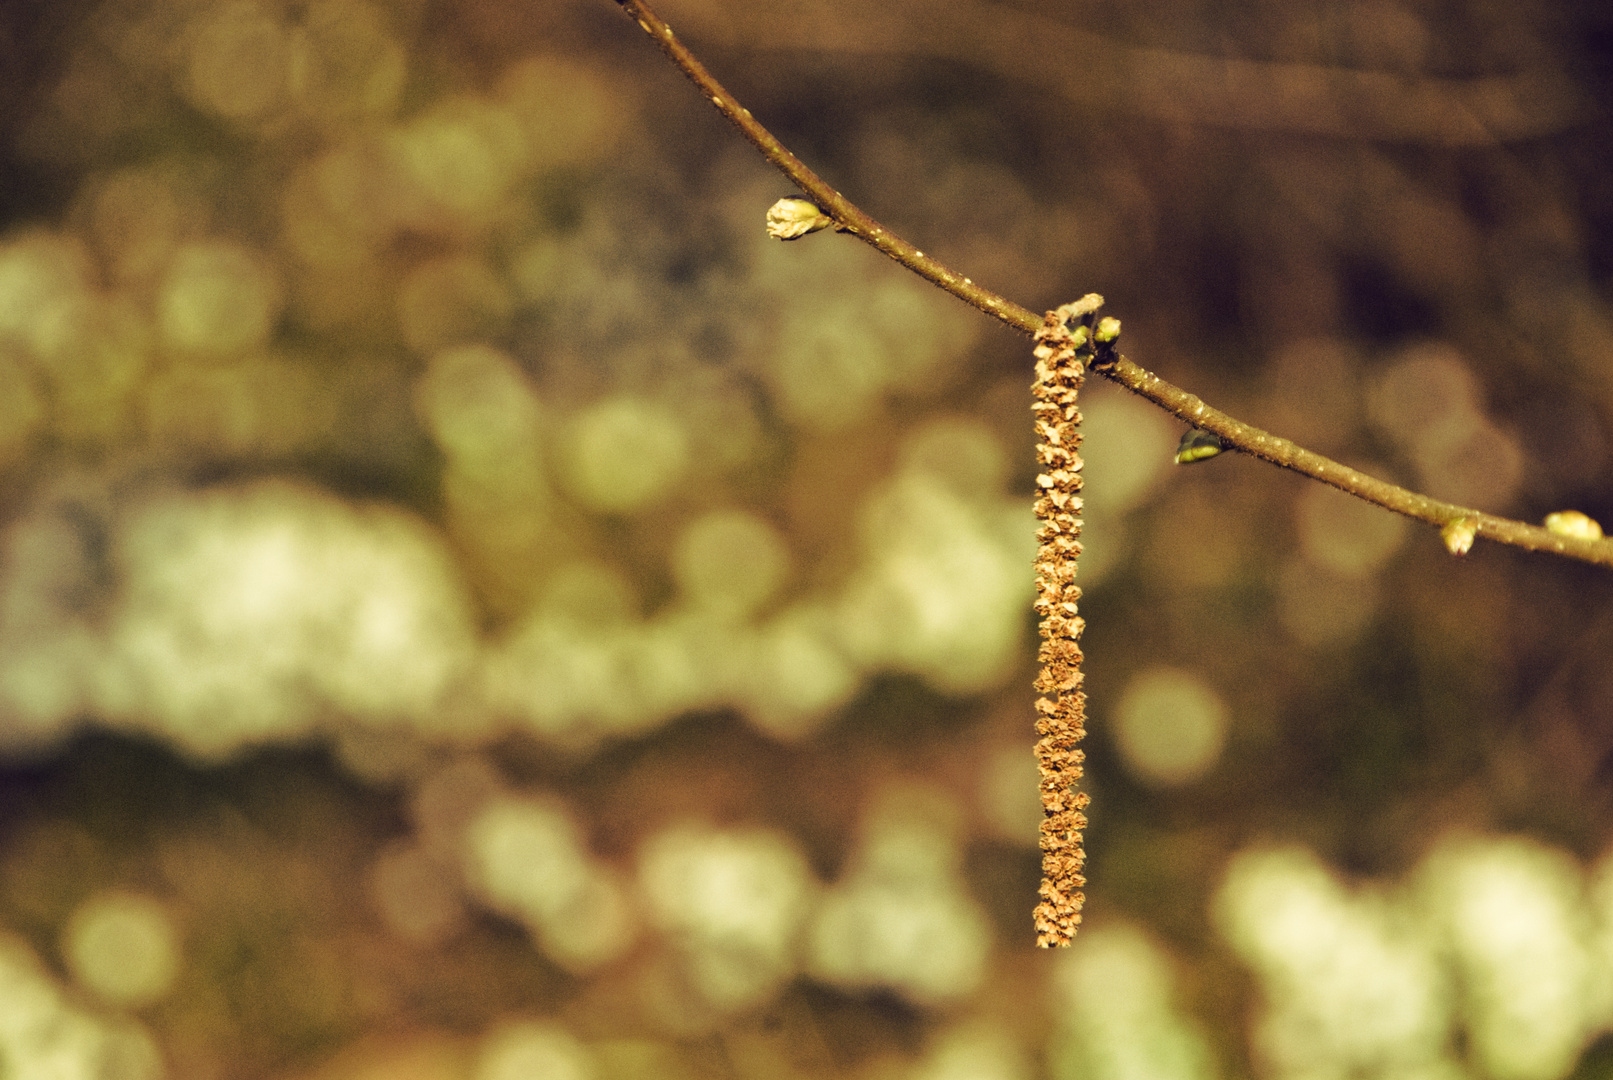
point(1197, 445)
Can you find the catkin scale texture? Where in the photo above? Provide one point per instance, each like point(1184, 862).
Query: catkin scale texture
point(1061, 706)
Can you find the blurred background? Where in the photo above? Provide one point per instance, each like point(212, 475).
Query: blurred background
point(474, 608)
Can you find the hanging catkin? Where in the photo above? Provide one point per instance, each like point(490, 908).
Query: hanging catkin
point(1060, 706)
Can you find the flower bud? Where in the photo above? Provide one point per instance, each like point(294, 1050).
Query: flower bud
point(1575, 524)
point(793, 218)
point(1458, 535)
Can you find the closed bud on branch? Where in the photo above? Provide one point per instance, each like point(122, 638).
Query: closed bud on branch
point(1458, 535)
point(1575, 524)
point(1198, 445)
point(793, 218)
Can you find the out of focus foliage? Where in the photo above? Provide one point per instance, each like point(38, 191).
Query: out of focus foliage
point(474, 608)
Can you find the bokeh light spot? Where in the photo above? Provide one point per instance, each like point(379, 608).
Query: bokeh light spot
point(1345, 535)
point(124, 947)
point(217, 298)
point(1170, 726)
point(626, 453)
point(240, 58)
point(534, 1051)
point(730, 562)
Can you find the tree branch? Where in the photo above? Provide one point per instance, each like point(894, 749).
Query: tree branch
point(1234, 433)
point(1178, 87)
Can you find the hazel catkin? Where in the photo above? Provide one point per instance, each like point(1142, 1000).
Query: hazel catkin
point(1061, 710)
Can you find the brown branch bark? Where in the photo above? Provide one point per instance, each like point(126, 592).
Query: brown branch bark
point(1167, 84)
point(1234, 433)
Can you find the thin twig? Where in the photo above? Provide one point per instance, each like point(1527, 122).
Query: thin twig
point(1166, 84)
point(1234, 433)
